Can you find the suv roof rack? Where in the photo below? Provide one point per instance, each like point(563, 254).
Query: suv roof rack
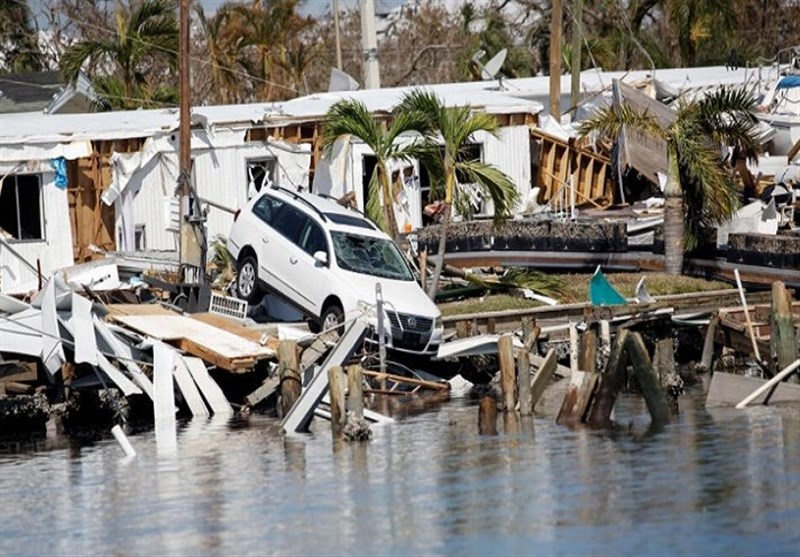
point(302, 199)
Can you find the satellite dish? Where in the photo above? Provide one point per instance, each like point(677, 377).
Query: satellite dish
point(490, 70)
point(341, 81)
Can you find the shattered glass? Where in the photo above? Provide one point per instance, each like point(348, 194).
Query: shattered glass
point(369, 256)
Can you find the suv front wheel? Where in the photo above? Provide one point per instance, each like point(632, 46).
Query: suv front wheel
point(247, 280)
point(331, 317)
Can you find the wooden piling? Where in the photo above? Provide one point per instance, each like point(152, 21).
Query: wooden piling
point(524, 382)
point(337, 387)
point(587, 357)
point(605, 344)
point(464, 329)
point(355, 392)
point(487, 416)
point(573, 347)
point(505, 353)
point(664, 357)
point(289, 372)
point(707, 359)
point(783, 344)
point(613, 377)
point(654, 395)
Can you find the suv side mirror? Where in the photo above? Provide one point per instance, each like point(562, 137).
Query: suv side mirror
point(321, 258)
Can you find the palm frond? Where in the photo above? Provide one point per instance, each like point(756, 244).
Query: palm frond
point(609, 120)
point(542, 283)
point(493, 181)
point(372, 206)
point(351, 117)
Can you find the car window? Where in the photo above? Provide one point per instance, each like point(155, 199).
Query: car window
point(370, 256)
point(313, 239)
point(266, 208)
point(350, 220)
point(290, 223)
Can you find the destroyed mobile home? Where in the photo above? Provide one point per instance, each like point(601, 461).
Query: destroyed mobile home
point(85, 343)
point(76, 357)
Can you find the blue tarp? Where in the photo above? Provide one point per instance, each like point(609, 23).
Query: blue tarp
point(601, 293)
point(59, 164)
point(789, 81)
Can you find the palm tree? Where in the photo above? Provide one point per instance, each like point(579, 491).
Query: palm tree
point(19, 38)
point(447, 165)
point(351, 117)
point(148, 34)
point(700, 192)
point(224, 45)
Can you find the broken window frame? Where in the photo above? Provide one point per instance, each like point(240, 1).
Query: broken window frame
point(270, 169)
point(12, 182)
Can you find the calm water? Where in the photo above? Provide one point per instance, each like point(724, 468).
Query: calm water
point(721, 482)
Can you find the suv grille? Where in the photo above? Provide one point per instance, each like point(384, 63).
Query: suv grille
point(416, 331)
point(411, 323)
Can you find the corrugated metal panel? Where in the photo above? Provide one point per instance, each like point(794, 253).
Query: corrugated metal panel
point(511, 153)
point(54, 252)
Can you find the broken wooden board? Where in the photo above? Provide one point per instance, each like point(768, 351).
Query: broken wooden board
point(212, 344)
point(211, 392)
point(728, 389)
point(188, 388)
point(236, 328)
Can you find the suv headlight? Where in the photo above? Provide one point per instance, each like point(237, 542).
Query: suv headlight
point(438, 323)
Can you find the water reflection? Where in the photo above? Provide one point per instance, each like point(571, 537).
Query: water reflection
point(719, 482)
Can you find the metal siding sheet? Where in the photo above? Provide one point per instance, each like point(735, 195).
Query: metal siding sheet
point(511, 153)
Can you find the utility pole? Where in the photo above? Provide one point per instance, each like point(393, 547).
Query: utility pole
point(192, 243)
point(575, 63)
point(369, 42)
point(336, 32)
point(555, 60)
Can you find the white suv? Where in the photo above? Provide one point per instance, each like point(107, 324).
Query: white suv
point(326, 259)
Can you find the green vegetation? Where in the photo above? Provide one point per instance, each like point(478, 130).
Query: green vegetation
point(577, 290)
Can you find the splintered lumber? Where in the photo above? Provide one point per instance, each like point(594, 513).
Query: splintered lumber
point(188, 388)
point(524, 382)
point(505, 351)
point(211, 392)
point(756, 352)
point(577, 398)
point(542, 379)
point(610, 383)
point(487, 416)
point(708, 344)
point(654, 395)
point(125, 355)
point(574, 342)
point(289, 373)
point(299, 417)
point(783, 374)
point(438, 386)
point(783, 342)
point(267, 388)
point(214, 345)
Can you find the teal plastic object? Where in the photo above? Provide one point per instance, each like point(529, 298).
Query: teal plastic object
point(601, 293)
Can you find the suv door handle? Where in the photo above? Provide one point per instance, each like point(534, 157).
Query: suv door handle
point(292, 260)
point(264, 240)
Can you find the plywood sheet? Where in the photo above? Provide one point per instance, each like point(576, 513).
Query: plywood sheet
point(202, 338)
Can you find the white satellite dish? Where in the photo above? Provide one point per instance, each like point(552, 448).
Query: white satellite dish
point(490, 70)
point(341, 81)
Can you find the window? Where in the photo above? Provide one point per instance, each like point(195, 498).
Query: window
point(267, 208)
point(290, 223)
point(313, 239)
point(260, 174)
point(21, 207)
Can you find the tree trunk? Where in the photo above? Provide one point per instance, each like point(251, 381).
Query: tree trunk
point(673, 218)
point(388, 203)
point(439, 265)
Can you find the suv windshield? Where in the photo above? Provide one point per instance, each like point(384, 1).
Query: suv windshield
point(369, 256)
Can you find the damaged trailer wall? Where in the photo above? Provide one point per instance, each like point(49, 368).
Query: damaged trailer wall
point(220, 175)
point(509, 151)
point(54, 249)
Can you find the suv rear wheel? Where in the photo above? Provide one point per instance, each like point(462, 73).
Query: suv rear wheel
point(247, 280)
